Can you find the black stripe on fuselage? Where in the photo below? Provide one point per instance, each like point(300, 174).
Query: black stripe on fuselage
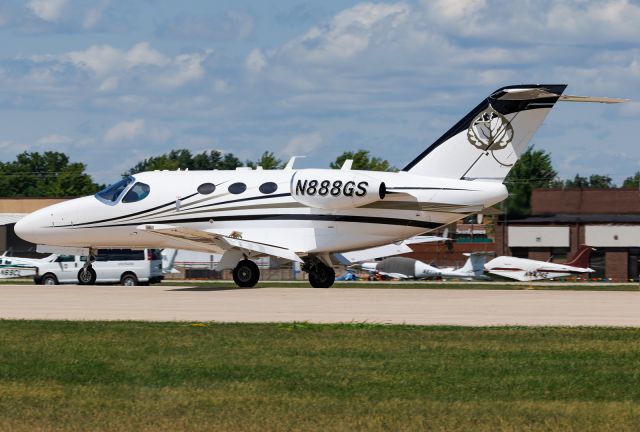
point(292, 217)
point(280, 195)
point(142, 212)
point(128, 215)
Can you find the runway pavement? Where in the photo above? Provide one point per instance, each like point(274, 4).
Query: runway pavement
point(410, 306)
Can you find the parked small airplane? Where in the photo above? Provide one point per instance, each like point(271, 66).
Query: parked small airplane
point(304, 215)
point(16, 267)
point(409, 268)
point(527, 270)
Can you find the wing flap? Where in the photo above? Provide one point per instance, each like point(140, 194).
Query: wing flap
point(187, 238)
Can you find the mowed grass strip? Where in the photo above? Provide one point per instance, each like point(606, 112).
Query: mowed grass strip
point(174, 376)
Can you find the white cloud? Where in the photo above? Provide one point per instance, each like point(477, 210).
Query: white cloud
point(220, 86)
point(47, 10)
point(105, 59)
point(94, 14)
point(589, 22)
point(301, 145)
point(349, 33)
point(109, 84)
point(151, 67)
point(255, 61)
point(53, 140)
point(125, 131)
point(184, 69)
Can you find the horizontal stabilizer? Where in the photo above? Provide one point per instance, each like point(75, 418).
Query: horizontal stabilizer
point(595, 99)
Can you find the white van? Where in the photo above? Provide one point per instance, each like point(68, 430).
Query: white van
point(124, 266)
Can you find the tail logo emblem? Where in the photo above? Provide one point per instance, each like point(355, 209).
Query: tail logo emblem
point(490, 131)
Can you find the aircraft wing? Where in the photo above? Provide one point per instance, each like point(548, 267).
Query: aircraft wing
point(186, 238)
point(373, 253)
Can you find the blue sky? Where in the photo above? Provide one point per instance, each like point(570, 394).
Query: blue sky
point(111, 82)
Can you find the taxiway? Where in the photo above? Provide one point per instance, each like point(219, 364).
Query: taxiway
point(397, 306)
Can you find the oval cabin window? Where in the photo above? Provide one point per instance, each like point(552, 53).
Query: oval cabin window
point(268, 188)
point(237, 188)
point(206, 188)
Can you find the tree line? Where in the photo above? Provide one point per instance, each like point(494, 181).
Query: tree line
point(52, 174)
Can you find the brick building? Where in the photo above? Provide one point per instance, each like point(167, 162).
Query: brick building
point(561, 220)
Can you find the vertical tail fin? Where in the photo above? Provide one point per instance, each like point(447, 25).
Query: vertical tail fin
point(581, 259)
point(475, 263)
point(487, 142)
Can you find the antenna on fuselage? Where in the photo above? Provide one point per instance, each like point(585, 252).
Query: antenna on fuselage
point(346, 166)
point(289, 165)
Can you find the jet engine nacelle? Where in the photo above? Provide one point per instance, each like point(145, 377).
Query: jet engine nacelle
point(335, 189)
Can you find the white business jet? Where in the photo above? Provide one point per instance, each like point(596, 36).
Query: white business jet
point(528, 270)
point(303, 215)
point(409, 268)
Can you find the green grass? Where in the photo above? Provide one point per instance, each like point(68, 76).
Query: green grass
point(174, 376)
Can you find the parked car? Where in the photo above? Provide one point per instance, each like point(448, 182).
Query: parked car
point(124, 266)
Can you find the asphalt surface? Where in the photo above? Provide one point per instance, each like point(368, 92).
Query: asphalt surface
point(410, 306)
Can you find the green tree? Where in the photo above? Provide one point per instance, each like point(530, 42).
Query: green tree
point(595, 181)
point(362, 161)
point(632, 182)
point(578, 182)
point(184, 159)
point(533, 170)
point(48, 174)
point(267, 161)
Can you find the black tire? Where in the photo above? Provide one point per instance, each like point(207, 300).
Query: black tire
point(49, 279)
point(322, 276)
point(246, 274)
point(87, 276)
point(128, 279)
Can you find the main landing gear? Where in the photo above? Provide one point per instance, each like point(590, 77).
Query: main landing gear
point(320, 274)
point(246, 274)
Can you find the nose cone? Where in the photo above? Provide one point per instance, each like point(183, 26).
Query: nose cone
point(33, 227)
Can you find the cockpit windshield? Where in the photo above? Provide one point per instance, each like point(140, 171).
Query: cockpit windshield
point(138, 192)
point(113, 192)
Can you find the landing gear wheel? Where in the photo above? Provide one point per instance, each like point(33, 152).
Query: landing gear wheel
point(246, 274)
point(322, 276)
point(87, 276)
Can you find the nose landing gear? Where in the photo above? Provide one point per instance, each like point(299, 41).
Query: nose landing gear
point(87, 275)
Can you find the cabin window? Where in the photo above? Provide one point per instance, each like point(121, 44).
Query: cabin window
point(138, 192)
point(237, 188)
point(268, 187)
point(113, 192)
point(206, 188)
